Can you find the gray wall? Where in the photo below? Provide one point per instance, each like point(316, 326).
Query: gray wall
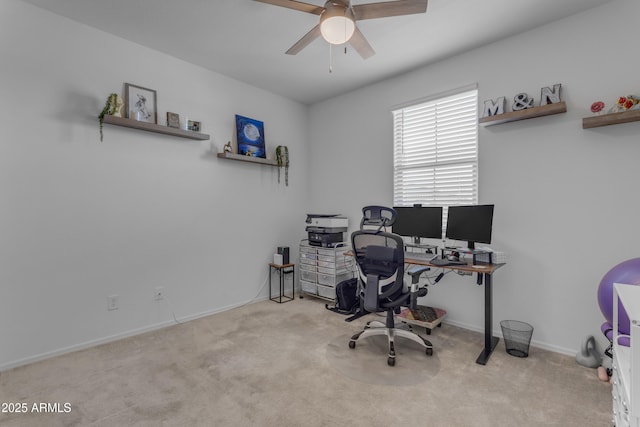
point(566, 203)
point(83, 219)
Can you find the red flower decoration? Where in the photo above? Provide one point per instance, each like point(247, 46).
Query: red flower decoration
point(629, 104)
point(597, 106)
point(622, 100)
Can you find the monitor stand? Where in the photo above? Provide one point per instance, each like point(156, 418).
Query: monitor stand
point(450, 250)
point(421, 251)
point(427, 247)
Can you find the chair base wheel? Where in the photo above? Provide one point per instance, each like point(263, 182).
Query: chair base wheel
point(374, 328)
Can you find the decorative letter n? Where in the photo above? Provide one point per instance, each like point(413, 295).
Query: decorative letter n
point(547, 96)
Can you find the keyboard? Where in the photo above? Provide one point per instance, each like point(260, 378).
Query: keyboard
point(439, 262)
point(432, 259)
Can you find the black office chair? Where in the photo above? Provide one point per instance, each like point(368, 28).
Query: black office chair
point(380, 260)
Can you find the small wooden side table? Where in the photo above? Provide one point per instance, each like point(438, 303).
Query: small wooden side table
point(283, 271)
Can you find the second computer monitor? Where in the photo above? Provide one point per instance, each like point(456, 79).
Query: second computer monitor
point(470, 223)
point(418, 221)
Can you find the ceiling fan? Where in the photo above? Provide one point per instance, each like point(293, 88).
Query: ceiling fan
point(338, 20)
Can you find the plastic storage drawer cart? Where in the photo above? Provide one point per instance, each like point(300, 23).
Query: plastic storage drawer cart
point(321, 269)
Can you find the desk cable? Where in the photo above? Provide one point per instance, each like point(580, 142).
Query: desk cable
point(435, 278)
point(250, 301)
point(173, 313)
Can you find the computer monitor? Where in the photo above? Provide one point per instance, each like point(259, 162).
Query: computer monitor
point(470, 223)
point(418, 221)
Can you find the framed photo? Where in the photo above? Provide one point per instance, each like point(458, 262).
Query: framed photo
point(140, 103)
point(173, 120)
point(194, 126)
point(250, 136)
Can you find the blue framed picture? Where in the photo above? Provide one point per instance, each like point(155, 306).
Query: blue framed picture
point(250, 135)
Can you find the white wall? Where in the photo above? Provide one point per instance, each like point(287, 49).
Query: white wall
point(82, 219)
point(566, 198)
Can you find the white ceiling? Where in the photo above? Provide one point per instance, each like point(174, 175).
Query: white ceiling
point(246, 40)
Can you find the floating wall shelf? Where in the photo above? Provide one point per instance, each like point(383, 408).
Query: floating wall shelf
point(240, 157)
point(611, 119)
point(529, 113)
point(152, 127)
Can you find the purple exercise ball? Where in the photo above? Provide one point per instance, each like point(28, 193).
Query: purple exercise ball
point(626, 272)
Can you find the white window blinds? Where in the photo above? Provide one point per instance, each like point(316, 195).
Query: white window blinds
point(435, 155)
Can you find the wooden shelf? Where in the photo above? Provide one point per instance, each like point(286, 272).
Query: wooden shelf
point(152, 127)
point(240, 157)
point(529, 113)
point(611, 119)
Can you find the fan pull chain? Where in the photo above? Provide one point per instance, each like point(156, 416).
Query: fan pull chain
point(330, 60)
point(345, 31)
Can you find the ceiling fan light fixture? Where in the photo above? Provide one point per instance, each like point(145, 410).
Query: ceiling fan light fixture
point(337, 24)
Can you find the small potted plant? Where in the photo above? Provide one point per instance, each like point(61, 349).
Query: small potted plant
point(111, 107)
point(282, 157)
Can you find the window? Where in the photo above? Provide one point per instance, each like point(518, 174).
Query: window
point(435, 154)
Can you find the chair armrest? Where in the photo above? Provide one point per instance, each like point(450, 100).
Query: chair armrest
point(415, 271)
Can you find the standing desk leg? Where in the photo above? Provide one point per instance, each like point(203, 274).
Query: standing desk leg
point(490, 341)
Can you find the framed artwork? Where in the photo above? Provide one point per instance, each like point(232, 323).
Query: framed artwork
point(250, 136)
point(140, 103)
point(194, 126)
point(173, 120)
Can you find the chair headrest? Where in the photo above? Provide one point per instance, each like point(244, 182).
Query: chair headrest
point(380, 216)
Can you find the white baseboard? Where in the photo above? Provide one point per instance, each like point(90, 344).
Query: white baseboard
point(119, 336)
point(498, 333)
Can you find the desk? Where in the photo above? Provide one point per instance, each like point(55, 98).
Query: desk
point(283, 271)
point(487, 271)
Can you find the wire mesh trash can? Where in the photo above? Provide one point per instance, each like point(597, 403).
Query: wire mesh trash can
point(517, 337)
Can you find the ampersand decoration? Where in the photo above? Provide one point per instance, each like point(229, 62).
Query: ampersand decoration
point(521, 102)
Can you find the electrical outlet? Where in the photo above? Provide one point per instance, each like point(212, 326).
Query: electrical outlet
point(159, 294)
point(113, 302)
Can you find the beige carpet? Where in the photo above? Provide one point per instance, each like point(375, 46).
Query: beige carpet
point(270, 364)
point(412, 366)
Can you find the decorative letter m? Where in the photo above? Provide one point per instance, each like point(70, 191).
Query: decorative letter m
point(493, 108)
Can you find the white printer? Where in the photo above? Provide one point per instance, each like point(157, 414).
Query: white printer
point(326, 229)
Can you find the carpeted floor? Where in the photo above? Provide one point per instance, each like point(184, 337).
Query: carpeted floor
point(270, 364)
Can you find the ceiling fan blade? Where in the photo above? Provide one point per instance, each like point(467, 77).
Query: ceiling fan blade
point(305, 40)
point(361, 45)
point(389, 8)
point(296, 5)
